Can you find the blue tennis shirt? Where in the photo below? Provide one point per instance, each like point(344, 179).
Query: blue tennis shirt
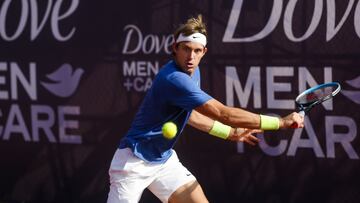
point(172, 97)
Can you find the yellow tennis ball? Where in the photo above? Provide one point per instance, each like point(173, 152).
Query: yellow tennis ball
point(169, 130)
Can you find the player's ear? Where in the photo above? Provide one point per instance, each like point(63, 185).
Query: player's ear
point(205, 50)
point(174, 47)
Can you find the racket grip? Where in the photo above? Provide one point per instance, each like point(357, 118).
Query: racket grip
point(294, 125)
point(302, 113)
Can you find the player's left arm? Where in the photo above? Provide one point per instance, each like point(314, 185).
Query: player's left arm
point(204, 123)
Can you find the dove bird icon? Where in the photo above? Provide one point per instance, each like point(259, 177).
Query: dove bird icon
point(64, 80)
point(353, 95)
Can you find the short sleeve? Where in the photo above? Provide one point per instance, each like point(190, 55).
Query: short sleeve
point(184, 92)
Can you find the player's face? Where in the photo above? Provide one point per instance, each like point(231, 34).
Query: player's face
point(188, 55)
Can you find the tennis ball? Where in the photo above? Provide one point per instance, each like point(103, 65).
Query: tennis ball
point(169, 130)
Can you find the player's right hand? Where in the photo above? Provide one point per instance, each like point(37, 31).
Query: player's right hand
point(293, 120)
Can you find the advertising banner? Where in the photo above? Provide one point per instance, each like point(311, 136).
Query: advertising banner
point(73, 73)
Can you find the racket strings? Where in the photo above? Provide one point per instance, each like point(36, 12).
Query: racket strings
point(318, 94)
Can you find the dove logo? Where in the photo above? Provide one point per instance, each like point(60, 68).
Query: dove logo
point(64, 81)
point(289, 11)
point(48, 121)
point(36, 15)
point(353, 95)
point(147, 44)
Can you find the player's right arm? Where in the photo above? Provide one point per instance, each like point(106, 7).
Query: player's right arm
point(241, 118)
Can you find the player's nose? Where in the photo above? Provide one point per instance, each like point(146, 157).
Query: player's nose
point(191, 55)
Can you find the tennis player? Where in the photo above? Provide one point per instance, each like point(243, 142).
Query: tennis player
point(145, 159)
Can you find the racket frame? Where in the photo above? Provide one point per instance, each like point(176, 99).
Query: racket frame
point(305, 107)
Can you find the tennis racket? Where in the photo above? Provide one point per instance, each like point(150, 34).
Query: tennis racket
point(316, 95)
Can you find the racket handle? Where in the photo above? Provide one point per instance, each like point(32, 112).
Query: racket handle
point(302, 113)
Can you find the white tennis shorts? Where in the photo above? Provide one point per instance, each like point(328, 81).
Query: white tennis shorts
point(129, 176)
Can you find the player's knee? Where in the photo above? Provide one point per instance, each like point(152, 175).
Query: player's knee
point(189, 193)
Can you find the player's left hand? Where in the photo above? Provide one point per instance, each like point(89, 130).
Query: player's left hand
point(245, 135)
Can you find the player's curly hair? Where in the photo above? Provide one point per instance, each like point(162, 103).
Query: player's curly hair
point(192, 25)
